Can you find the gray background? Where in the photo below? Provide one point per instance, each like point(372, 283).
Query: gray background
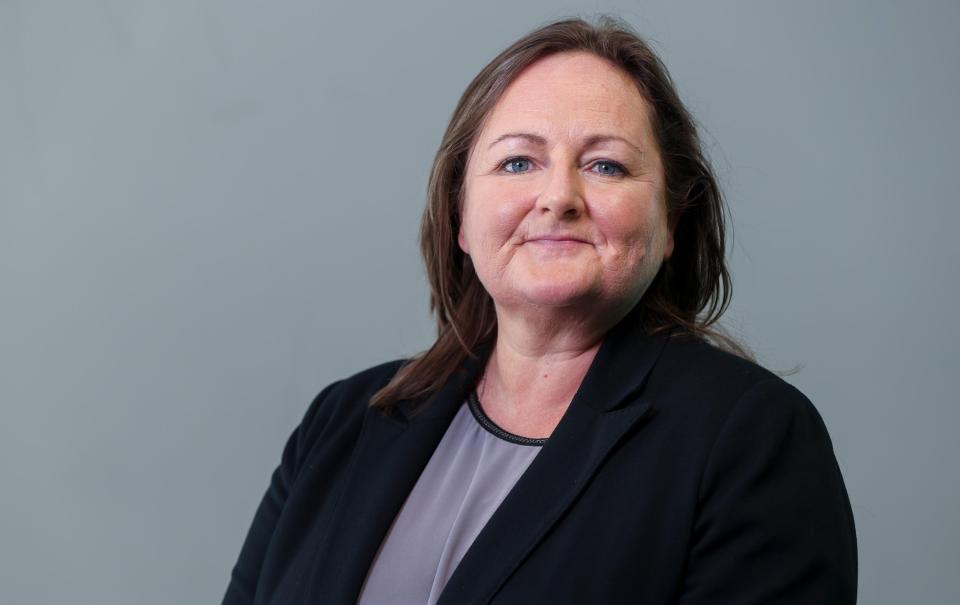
point(208, 211)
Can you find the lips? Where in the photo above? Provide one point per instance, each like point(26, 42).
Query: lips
point(558, 238)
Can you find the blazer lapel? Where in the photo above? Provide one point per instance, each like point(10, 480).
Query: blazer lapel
point(391, 453)
point(594, 422)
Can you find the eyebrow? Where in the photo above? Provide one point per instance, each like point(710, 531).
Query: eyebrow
point(541, 141)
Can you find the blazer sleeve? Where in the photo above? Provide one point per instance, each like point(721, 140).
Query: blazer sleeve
point(774, 523)
point(243, 578)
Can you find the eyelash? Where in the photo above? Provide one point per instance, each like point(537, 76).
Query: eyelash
point(616, 165)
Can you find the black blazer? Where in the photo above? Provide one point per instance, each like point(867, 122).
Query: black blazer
point(678, 474)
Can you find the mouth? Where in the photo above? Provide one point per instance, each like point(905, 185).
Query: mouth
point(558, 239)
point(557, 245)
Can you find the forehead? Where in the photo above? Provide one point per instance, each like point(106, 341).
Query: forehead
point(570, 94)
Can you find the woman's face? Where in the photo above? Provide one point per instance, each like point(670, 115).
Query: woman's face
point(564, 193)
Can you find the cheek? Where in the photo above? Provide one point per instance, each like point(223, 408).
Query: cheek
point(624, 224)
point(631, 226)
point(493, 213)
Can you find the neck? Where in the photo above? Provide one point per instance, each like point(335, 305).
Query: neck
point(538, 362)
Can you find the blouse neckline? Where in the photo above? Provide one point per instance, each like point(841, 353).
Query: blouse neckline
point(473, 402)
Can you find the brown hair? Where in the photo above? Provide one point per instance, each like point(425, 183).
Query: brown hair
point(693, 287)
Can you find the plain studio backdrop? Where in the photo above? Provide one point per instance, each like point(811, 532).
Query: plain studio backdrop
point(209, 211)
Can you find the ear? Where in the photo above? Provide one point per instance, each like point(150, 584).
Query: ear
point(672, 222)
point(462, 241)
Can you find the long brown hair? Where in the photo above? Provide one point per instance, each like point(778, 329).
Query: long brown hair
point(693, 287)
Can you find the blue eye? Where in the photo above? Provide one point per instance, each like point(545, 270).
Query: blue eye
point(608, 168)
point(516, 165)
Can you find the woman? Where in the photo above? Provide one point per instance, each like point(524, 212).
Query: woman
point(572, 436)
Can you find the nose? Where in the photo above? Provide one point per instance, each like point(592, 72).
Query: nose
point(562, 194)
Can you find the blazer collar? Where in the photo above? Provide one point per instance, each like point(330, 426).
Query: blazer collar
point(393, 451)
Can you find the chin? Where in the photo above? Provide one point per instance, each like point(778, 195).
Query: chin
point(555, 292)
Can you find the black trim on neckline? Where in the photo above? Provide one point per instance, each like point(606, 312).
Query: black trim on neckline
point(489, 425)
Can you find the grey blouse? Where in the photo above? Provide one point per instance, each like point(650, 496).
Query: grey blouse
point(473, 468)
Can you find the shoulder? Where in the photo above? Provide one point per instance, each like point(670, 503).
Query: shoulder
point(344, 401)
point(698, 383)
point(702, 365)
point(369, 380)
point(740, 422)
point(696, 367)
point(761, 464)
